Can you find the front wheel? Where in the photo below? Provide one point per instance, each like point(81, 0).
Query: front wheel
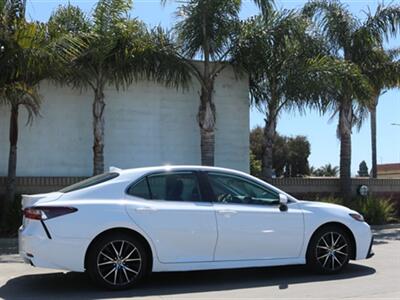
point(329, 250)
point(117, 261)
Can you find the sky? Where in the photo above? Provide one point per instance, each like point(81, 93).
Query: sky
point(320, 130)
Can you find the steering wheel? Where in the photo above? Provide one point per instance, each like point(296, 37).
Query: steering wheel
point(224, 198)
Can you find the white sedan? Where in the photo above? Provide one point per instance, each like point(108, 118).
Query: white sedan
point(122, 225)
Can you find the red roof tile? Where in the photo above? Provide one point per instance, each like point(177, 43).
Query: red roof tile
point(388, 167)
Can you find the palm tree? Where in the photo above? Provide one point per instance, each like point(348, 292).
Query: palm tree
point(288, 69)
point(383, 70)
point(25, 60)
point(350, 40)
point(326, 171)
point(207, 29)
point(119, 50)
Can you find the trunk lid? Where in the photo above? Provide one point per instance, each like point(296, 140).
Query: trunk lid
point(30, 200)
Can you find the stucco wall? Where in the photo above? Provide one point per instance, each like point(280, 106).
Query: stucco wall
point(146, 124)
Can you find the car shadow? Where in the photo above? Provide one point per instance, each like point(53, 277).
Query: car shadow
point(78, 286)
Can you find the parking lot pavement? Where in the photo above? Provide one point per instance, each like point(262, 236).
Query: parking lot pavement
point(376, 278)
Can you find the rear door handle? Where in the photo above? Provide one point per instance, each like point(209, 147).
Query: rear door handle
point(227, 211)
point(145, 209)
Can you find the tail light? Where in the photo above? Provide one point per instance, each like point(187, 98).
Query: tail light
point(47, 212)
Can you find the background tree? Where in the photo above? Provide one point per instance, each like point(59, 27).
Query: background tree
point(207, 30)
point(119, 50)
point(27, 57)
point(326, 171)
point(350, 40)
point(289, 70)
point(382, 67)
point(363, 169)
point(299, 151)
point(290, 154)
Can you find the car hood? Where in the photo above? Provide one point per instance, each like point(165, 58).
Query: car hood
point(315, 205)
point(29, 200)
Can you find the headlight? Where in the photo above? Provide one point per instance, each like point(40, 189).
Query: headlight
point(357, 217)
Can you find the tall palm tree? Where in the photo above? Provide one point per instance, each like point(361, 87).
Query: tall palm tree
point(21, 48)
point(350, 40)
point(207, 29)
point(383, 69)
point(119, 50)
point(287, 68)
point(26, 58)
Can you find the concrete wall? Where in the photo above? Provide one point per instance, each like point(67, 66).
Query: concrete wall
point(146, 125)
point(311, 188)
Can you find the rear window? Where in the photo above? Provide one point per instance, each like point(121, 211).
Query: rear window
point(90, 182)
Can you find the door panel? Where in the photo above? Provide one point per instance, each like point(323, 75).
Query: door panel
point(182, 231)
point(250, 223)
point(248, 232)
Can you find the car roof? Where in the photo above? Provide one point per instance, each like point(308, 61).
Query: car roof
point(146, 170)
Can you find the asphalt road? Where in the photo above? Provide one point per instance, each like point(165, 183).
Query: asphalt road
point(376, 278)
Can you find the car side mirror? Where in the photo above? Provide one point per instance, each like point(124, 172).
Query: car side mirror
point(283, 202)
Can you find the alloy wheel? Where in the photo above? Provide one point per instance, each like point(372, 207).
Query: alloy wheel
point(332, 251)
point(119, 262)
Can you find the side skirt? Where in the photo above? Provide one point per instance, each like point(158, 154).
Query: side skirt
point(159, 267)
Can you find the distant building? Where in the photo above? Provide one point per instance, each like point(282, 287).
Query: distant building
point(389, 171)
point(145, 125)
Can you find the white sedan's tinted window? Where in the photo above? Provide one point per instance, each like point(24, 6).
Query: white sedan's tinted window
point(168, 186)
point(89, 182)
point(232, 189)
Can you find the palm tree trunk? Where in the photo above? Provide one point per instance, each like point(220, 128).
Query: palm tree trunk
point(372, 110)
point(98, 131)
point(345, 122)
point(206, 116)
point(269, 134)
point(207, 121)
point(12, 162)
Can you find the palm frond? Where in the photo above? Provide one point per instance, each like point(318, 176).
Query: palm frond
point(384, 23)
point(334, 19)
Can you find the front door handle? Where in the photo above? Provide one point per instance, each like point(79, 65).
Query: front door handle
point(146, 209)
point(227, 211)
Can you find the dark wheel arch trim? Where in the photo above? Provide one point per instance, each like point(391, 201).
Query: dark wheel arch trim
point(341, 226)
point(128, 231)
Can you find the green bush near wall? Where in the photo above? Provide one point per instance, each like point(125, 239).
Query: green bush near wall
point(376, 211)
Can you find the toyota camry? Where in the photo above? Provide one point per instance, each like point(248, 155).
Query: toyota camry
point(124, 224)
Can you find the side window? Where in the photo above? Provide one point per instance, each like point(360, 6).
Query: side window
point(168, 186)
point(140, 189)
point(232, 189)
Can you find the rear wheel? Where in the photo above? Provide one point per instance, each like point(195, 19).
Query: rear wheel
point(117, 261)
point(329, 250)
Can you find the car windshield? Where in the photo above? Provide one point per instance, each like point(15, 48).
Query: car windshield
point(89, 182)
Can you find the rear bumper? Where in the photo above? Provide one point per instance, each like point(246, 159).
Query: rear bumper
point(370, 252)
point(38, 250)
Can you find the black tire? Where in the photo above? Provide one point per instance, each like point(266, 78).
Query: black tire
point(329, 250)
point(117, 261)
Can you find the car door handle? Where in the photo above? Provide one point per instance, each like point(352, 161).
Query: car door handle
point(227, 211)
point(145, 208)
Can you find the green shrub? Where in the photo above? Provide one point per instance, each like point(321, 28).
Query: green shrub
point(377, 211)
point(331, 199)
